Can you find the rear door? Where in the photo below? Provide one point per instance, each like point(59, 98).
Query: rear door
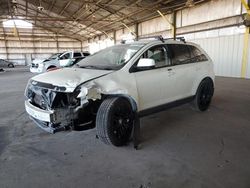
point(184, 68)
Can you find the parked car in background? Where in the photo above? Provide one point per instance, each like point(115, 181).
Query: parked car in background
point(4, 64)
point(58, 60)
point(112, 87)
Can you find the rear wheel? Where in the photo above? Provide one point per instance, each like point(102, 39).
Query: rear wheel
point(204, 95)
point(114, 121)
point(11, 65)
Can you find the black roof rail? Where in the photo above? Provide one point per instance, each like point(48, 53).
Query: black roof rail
point(182, 39)
point(158, 37)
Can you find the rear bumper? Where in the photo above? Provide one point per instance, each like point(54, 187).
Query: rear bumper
point(49, 120)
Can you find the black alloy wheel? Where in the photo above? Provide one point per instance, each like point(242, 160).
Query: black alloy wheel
point(114, 121)
point(204, 95)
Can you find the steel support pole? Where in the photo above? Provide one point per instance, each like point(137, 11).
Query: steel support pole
point(172, 24)
point(244, 63)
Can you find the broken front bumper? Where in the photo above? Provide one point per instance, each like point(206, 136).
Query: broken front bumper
point(48, 120)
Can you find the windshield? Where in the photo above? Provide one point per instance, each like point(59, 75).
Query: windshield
point(112, 58)
point(54, 56)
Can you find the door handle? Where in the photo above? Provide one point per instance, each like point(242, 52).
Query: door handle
point(170, 69)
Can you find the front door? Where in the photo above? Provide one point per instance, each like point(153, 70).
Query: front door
point(155, 85)
point(65, 59)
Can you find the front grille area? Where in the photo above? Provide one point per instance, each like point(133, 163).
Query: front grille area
point(39, 102)
point(34, 65)
point(46, 98)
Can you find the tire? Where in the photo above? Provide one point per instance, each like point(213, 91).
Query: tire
point(10, 65)
point(114, 121)
point(204, 95)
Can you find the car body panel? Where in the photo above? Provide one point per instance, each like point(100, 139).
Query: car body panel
point(69, 78)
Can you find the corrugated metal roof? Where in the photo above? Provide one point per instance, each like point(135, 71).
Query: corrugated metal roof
point(83, 19)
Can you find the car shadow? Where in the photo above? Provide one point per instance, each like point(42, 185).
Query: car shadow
point(160, 125)
point(4, 141)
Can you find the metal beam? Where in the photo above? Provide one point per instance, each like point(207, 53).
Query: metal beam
point(114, 12)
point(154, 6)
point(26, 9)
point(244, 63)
point(174, 14)
point(52, 25)
point(51, 6)
point(114, 36)
point(77, 16)
point(45, 14)
point(245, 54)
point(120, 19)
point(41, 18)
point(65, 7)
point(77, 19)
point(246, 5)
point(136, 31)
point(132, 32)
point(5, 44)
point(171, 23)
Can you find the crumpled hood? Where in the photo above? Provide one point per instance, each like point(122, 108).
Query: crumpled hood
point(67, 79)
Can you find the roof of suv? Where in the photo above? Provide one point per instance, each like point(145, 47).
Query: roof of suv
point(158, 39)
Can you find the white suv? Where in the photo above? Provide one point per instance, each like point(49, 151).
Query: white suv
point(112, 87)
point(56, 61)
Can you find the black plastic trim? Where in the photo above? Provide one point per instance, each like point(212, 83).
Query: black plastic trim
point(165, 106)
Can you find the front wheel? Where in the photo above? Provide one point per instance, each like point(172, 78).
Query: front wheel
point(204, 95)
point(114, 121)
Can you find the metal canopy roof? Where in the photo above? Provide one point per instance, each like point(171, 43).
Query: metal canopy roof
point(82, 19)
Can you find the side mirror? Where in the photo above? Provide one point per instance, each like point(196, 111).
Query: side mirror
point(145, 63)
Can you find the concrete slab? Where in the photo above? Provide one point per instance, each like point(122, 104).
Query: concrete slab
point(180, 148)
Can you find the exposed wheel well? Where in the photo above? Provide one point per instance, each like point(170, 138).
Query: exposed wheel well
point(208, 78)
point(129, 98)
point(51, 66)
point(88, 113)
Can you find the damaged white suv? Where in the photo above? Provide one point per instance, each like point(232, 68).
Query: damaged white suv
point(108, 89)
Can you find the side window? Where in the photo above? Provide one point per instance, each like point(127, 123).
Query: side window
point(85, 54)
point(197, 55)
point(159, 54)
point(65, 56)
point(77, 54)
point(180, 54)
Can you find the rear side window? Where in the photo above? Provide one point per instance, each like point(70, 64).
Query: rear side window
point(197, 55)
point(85, 54)
point(77, 54)
point(180, 54)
